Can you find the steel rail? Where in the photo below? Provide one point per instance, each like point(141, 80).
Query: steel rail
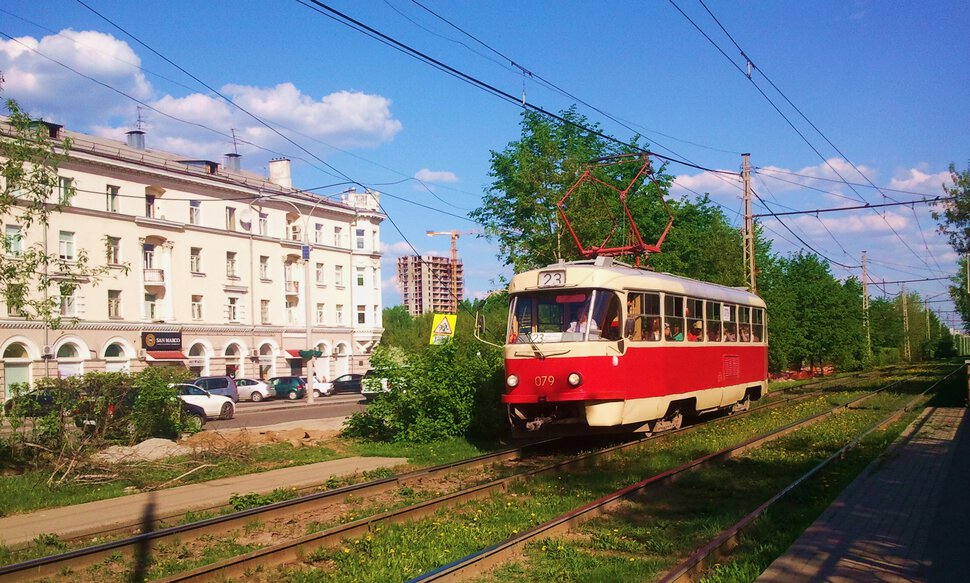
point(721, 545)
point(128, 547)
point(479, 562)
point(292, 551)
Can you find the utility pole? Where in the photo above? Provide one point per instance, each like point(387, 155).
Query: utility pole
point(748, 258)
point(865, 306)
point(906, 350)
point(926, 308)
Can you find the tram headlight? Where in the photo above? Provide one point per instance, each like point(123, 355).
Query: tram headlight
point(512, 381)
point(574, 379)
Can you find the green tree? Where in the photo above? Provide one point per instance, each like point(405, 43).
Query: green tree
point(32, 278)
point(955, 216)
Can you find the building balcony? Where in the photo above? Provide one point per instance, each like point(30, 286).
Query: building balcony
point(154, 277)
point(292, 288)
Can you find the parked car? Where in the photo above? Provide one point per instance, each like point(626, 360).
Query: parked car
point(193, 416)
point(348, 383)
point(373, 386)
point(215, 406)
point(254, 390)
point(225, 386)
point(291, 388)
point(35, 403)
point(320, 388)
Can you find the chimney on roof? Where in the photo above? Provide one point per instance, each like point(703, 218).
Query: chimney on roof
point(136, 139)
point(279, 172)
point(231, 162)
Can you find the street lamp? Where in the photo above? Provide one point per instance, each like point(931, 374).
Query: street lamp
point(305, 254)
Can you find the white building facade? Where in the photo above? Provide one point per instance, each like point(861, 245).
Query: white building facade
point(224, 267)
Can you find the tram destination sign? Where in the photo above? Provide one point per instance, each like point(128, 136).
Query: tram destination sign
point(161, 340)
point(556, 278)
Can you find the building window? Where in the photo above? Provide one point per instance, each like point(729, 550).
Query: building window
point(195, 212)
point(321, 274)
point(150, 206)
point(231, 264)
point(361, 314)
point(360, 238)
point(232, 313)
point(291, 312)
point(68, 301)
point(264, 268)
point(65, 190)
point(151, 305)
point(195, 259)
point(338, 235)
point(376, 241)
point(230, 218)
point(293, 232)
point(15, 297)
point(264, 311)
point(111, 199)
point(13, 239)
point(148, 255)
point(114, 303)
point(340, 314)
point(113, 250)
point(196, 307)
point(338, 274)
point(263, 224)
point(318, 233)
point(321, 313)
point(66, 245)
point(360, 277)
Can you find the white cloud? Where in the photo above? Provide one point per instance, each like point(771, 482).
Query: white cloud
point(442, 176)
point(718, 185)
point(869, 223)
point(36, 74)
point(915, 180)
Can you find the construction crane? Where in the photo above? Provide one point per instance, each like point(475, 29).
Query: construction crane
point(454, 258)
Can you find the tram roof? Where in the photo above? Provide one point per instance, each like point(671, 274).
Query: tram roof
point(604, 273)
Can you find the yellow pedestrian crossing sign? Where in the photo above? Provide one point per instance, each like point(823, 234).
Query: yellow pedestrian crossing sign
point(442, 328)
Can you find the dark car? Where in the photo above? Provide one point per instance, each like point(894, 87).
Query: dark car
point(348, 383)
point(224, 385)
point(36, 403)
point(291, 388)
point(193, 416)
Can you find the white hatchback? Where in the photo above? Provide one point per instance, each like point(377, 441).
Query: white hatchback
point(215, 406)
point(254, 390)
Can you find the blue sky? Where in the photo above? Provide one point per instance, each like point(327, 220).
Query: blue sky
point(885, 82)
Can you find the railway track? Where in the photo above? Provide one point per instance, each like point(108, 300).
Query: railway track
point(130, 547)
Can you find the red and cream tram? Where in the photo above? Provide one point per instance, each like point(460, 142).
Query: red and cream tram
point(599, 344)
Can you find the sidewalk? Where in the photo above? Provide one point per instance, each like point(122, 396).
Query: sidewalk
point(105, 516)
point(903, 519)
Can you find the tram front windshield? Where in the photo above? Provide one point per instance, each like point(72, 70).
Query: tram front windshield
point(564, 316)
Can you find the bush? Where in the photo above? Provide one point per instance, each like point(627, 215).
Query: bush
point(442, 392)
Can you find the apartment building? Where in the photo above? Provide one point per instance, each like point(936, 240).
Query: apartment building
point(210, 267)
point(426, 284)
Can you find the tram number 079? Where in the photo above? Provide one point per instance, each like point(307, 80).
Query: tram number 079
point(545, 380)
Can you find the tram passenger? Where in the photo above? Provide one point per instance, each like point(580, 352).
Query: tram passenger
point(730, 333)
point(696, 332)
point(583, 324)
point(745, 335)
point(653, 333)
point(675, 333)
point(714, 332)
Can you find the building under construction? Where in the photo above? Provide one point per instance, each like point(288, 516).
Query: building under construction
point(426, 284)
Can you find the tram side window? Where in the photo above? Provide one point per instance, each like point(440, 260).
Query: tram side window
point(757, 324)
point(674, 318)
point(744, 328)
point(713, 321)
point(606, 316)
point(643, 317)
point(695, 320)
point(729, 315)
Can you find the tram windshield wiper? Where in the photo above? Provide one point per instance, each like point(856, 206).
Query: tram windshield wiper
point(535, 347)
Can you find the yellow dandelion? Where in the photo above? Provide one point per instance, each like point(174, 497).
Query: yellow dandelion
point(346, 550)
point(543, 547)
point(632, 559)
point(357, 541)
point(515, 532)
point(392, 551)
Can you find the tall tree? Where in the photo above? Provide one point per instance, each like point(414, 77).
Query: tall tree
point(955, 216)
point(32, 279)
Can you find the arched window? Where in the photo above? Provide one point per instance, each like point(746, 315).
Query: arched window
point(16, 350)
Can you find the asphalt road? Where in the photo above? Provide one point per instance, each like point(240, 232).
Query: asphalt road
point(272, 412)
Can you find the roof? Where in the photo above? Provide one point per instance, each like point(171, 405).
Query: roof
point(604, 273)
